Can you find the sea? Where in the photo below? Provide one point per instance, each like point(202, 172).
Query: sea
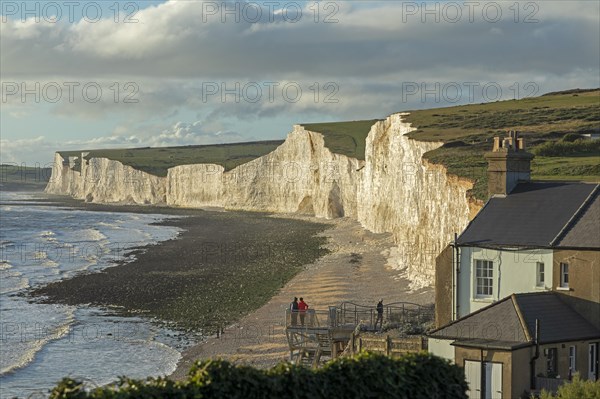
point(41, 343)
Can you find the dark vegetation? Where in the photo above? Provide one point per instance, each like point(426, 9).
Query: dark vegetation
point(413, 376)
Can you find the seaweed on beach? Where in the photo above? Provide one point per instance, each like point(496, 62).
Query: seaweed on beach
point(223, 266)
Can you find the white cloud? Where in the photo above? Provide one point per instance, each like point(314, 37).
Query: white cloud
point(179, 134)
point(373, 50)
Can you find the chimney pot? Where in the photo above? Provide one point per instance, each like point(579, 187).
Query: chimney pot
point(508, 164)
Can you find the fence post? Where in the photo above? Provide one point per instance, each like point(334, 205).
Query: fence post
point(388, 345)
point(360, 344)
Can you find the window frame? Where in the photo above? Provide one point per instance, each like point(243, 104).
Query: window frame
point(540, 271)
point(552, 362)
point(572, 359)
point(564, 272)
point(487, 266)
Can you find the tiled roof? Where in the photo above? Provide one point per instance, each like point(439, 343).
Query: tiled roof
point(536, 214)
point(584, 231)
point(510, 323)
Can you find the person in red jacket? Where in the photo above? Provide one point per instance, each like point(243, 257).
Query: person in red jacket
point(302, 308)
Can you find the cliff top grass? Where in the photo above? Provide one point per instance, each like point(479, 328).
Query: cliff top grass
point(346, 138)
point(552, 126)
point(157, 160)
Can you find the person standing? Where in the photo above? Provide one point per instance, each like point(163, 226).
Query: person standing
point(379, 315)
point(302, 308)
point(294, 311)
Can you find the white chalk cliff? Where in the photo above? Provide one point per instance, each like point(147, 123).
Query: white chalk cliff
point(393, 190)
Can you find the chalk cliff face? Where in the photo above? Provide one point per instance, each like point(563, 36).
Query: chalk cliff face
point(416, 201)
point(394, 190)
point(301, 175)
point(105, 180)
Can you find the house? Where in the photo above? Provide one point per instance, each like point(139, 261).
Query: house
point(530, 257)
point(518, 344)
point(529, 237)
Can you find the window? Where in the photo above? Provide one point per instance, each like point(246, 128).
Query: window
point(572, 359)
point(540, 279)
point(564, 275)
point(484, 278)
point(551, 362)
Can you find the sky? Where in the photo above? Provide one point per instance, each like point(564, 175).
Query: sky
point(108, 74)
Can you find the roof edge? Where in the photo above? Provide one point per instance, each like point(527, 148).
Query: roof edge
point(575, 216)
point(469, 315)
point(513, 297)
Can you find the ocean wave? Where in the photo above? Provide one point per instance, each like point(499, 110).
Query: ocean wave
point(4, 265)
point(27, 355)
point(111, 225)
point(13, 282)
point(6, 243)
point(91, 235)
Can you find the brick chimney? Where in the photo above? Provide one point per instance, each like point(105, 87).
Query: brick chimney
point(508, 164)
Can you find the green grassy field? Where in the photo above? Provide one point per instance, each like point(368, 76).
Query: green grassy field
point(467, 133)
point(158, 160)
point(347, 138)
point(20, 177)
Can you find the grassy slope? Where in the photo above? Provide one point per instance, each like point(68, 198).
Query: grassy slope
point(347, 138)
point(158, 160)
point(16, 177)
point(468, 130)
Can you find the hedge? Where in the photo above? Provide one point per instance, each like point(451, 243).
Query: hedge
point(568, 148)
point(366, 375)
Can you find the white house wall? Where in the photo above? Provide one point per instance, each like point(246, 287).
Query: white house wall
point(513, 272)
point(441, 348)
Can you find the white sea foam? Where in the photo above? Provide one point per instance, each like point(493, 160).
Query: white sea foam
point(91, 235)
point(58, 243)
point(32, 342)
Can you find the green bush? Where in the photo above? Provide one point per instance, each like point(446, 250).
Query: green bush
point(366, 375)
point(576, 389)
point(567, 148)
point(571, 137)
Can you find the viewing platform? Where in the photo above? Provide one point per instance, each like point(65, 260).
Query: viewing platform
point(316, 336)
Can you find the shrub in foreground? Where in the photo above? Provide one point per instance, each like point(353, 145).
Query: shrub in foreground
point(576, 389)
point(366, 375)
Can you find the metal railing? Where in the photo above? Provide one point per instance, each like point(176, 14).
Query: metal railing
point(397, 312)
point(348, 313)
point(311, 318)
